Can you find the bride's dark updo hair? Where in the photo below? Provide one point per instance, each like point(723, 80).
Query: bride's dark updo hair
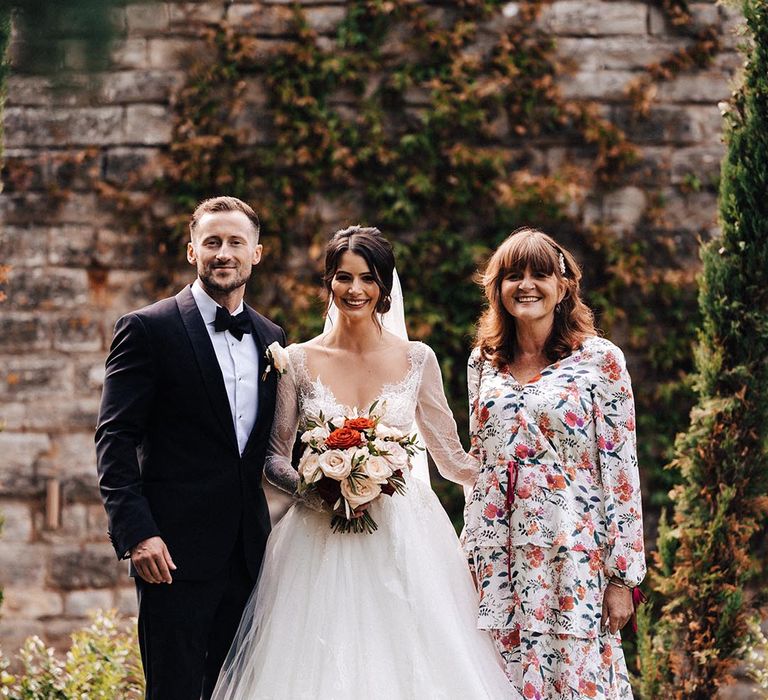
point(369, 244)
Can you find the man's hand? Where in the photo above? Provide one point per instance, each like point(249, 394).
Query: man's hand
point(617, 607)
point(153, 560)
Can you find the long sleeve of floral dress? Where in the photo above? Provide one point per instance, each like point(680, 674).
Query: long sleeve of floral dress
point(438, 427)
point(277, 467)
point(614, 414)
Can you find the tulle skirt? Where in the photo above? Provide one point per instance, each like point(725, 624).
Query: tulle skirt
point(384, 616)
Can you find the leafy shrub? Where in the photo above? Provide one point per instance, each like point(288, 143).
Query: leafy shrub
point(103, 663)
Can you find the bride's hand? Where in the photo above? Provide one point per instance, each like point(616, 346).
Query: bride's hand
point(358, 512)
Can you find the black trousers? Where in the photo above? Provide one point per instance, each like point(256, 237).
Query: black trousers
point(186, 629)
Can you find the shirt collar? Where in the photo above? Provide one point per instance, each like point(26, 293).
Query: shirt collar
point(206, 305)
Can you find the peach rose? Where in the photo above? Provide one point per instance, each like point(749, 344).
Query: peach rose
point(335, 464)
point(365, 490)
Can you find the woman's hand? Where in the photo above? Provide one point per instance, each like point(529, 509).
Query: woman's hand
point(358, 512)
point(617, 607)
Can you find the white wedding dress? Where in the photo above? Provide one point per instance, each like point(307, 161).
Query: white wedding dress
point(389, 615)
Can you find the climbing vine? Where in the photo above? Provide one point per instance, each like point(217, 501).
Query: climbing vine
point(415, 122)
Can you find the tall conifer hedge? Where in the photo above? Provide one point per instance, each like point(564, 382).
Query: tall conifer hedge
point(708, 556)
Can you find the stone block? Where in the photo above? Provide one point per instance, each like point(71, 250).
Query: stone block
point(28, 377)
point(74, 523)
point(606, 85)
point(174, 53)
point(126, 602)
point(188, 16)
point(42, 289)
point(75, 451)
point(116, 249)
point(732, 26)
point(703, 14)
point(77, 333)
point(615, 53)
point(664, 124)
point(89, 373)
point(24, 331)
point(61, 413)
point(591, 18)
point(701, 163)
point(139, 167)
point(22, 565)
point(689, 211)
point(705, 86)
point(28, 91)
point(59, 126)
point(92, 567)
point(13, 633)
point(31, 603)
point(147, 18)
point(24, 246)
point(97, 523)
point(125, 87)
point(35, 208)
point(17, 521)
point(130, 53)
point(147, 125)
point(325, 20)
point(261, 19)
point(71, 245)
point(623, 209)
point(84, 603)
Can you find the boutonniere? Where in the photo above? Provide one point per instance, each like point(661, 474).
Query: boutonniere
point(276, 358)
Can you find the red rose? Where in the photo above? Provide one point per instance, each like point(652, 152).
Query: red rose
point(343, 438)
point(387, 488)
point(329, 490)
point(360, 423)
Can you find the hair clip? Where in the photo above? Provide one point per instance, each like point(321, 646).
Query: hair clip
point(562, 264)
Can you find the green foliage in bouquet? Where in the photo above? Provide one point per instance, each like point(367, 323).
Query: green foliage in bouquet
point(711, 552)
point(103, 663)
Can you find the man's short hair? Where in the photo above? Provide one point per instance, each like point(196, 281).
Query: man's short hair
point(222, 204)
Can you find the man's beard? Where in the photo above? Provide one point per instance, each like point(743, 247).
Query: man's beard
point(206, 277)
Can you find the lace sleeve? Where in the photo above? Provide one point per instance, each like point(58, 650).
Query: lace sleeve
point(436, 423)
point(278, 468)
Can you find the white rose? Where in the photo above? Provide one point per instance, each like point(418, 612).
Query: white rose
point(337, 421)
point(318, 434)
point(378, 469)
point(335, 464)
point(397, 457)
point(384, 432)
point(309, 467)
point(365, 491)
point(279, 357)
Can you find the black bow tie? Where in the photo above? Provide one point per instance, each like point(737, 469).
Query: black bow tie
point(236, 325)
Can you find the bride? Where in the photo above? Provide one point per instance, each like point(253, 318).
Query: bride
point(387, 615)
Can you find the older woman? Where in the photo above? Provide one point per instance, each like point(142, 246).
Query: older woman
point(553, 524)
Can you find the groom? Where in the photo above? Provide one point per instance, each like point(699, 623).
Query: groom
point(183, 428)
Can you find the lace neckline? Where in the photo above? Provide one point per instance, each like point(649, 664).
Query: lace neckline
point(388, 388)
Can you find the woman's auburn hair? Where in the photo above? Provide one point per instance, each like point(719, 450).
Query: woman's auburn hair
point(574, 322)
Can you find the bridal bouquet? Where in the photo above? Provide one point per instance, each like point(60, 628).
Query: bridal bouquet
point(352, 461)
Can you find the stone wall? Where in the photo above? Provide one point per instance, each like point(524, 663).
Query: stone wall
point(74, 272)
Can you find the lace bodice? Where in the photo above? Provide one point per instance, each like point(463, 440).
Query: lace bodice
point(418, 397)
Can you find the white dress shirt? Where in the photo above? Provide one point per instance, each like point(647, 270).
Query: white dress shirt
point(239, 364)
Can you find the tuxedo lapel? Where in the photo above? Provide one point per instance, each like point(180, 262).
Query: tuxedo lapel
point(206, 361)
point(266, 381)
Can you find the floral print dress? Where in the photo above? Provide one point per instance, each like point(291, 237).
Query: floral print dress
point(554, 514)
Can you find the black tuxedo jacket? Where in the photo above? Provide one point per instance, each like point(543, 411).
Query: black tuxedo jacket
point(167, 454)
